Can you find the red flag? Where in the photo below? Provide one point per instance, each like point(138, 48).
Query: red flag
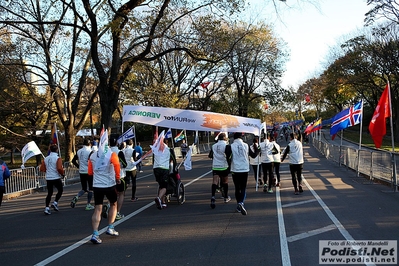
point(205, 84)
point(377, 125)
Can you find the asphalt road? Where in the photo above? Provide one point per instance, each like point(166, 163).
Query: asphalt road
point(280, 228)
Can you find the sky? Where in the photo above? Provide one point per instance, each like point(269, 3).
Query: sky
point(310, 31)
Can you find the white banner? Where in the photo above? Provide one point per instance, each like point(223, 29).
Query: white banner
point(29, 150)
point(189, 119)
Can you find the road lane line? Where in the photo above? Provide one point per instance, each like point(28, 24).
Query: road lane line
point(298, 203)
point(86, 239)
point(334, 219)
point(285, 253)
point(311, 233)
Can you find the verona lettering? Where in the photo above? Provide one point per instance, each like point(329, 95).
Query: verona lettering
point(145, 114)
point(179, 119)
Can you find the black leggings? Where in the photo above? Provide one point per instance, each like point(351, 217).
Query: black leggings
point(296, 174)
point(57, 183)
point(131, 176)
point(268, 172)
point(240, 183)
point(277, 170)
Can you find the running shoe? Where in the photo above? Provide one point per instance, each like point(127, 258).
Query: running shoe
point(73, 202)
point(158, 203)
point(213, 205)
point(270, 191)
point(55, 206)
point(112, 232)
point(95, 239)
point(296, 191)
point(227, 199)
point(47, 211)
point(238, 209)
point(119, 216)
point(278, 184)
point(134, 199)
point(242, 209)
point(264, 187)
point(300, 189)
point(104, 212)
point(89, 207)
point(164, 206)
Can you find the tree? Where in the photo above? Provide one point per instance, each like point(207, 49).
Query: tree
point(255, 66)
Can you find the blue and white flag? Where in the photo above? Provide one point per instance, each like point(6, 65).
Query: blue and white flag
point(129, 134)
point(346, 118)
point(168, 134)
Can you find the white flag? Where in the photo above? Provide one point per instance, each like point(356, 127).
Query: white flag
point(187, 162)
point(29, 150)
point(104, 152)
point(158, 146)
point(263, 126)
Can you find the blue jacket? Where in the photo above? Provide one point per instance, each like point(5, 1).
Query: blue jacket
point(4, 172)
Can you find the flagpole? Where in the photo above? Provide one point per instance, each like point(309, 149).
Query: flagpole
point(360, 141)
point(58, 140)
point(135, 139)
point(123, 137)
point(392, 140)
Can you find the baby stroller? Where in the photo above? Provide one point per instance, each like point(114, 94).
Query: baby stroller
point(175, 189)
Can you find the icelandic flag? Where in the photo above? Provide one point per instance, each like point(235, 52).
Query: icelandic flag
point(346, 118)
point(129, 134)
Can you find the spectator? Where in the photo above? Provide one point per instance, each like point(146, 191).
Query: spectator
point(4, 174)
point(183, 148)
point(139, 154)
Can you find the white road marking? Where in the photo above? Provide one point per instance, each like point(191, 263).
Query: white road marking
point(285, 253)
point(311, 233)
point(84, 240)
point(298, 203)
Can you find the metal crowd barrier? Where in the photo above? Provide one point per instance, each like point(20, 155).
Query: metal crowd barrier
point(24, 181)
point(374, 164)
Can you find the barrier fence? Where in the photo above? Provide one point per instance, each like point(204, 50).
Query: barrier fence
point(26, 180)
point(374, 164)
